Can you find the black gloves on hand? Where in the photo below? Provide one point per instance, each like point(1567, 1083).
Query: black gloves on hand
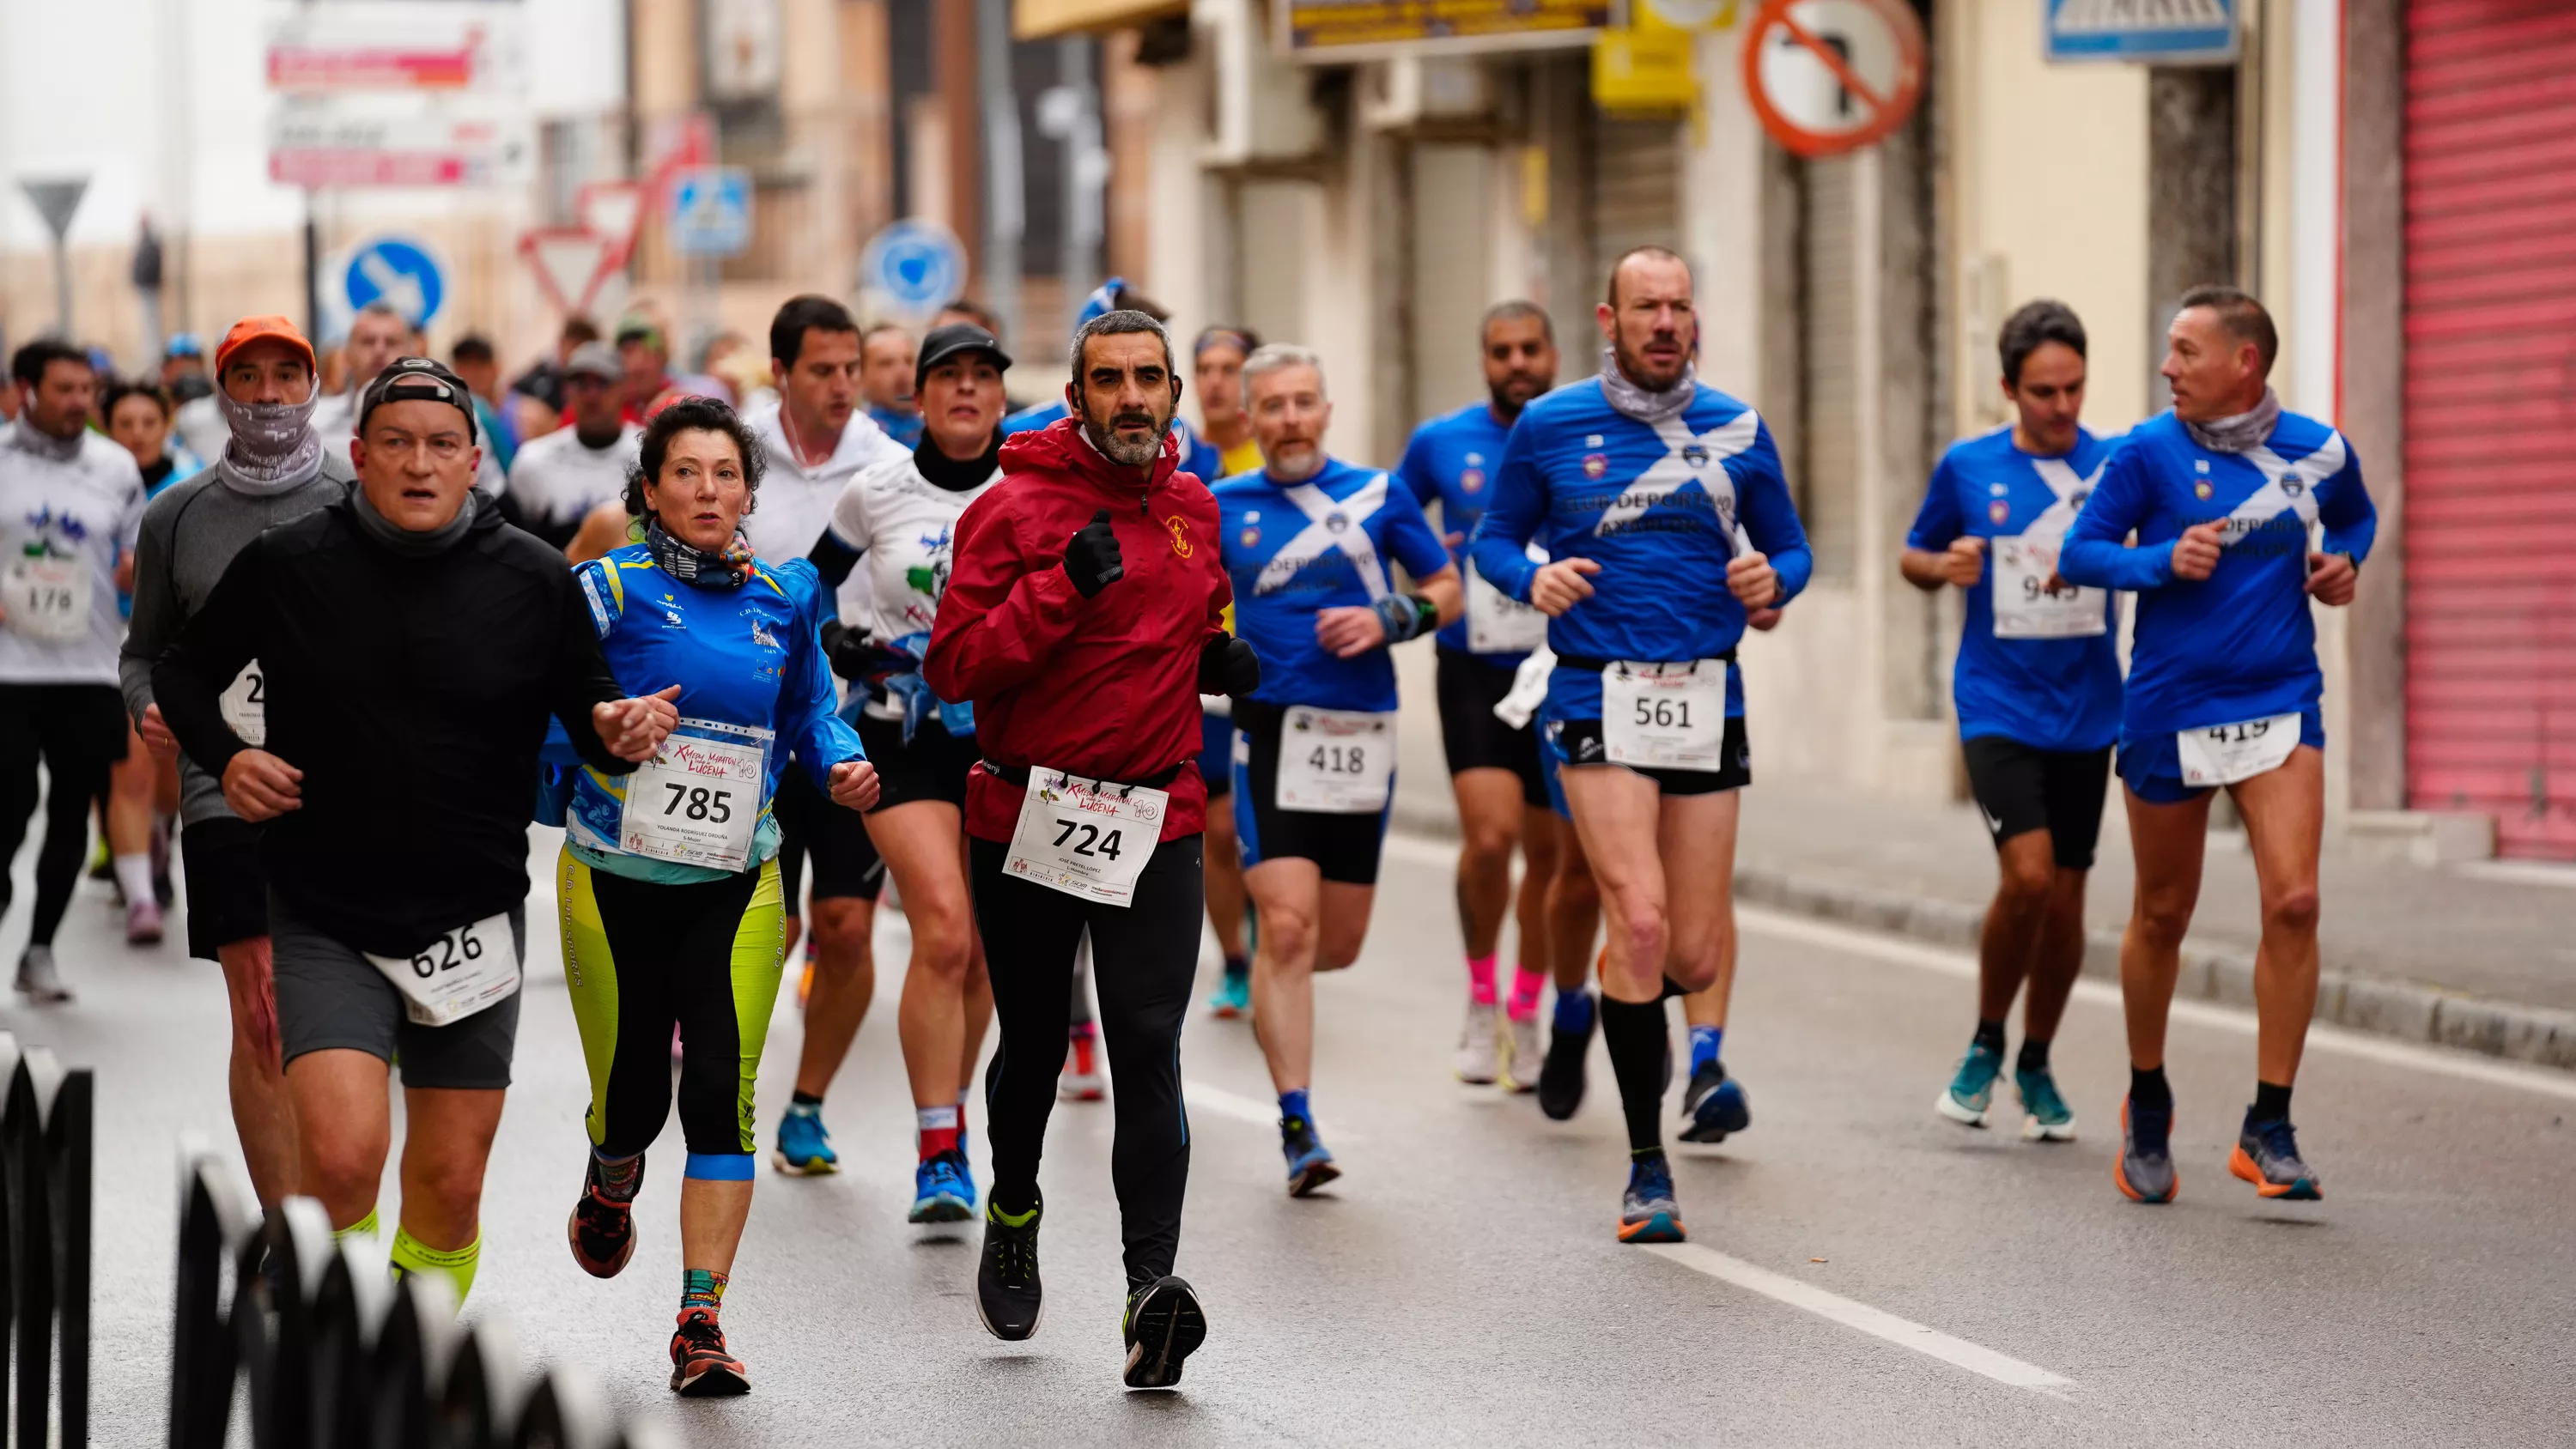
point(852, 657)
point(1229, 667)
point(1091, 558)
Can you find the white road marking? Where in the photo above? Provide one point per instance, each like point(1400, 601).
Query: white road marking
point(1903, 1332)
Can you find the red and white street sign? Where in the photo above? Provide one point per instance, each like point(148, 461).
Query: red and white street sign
point(613, 211)
point(570, 264)
point(356, 141)
point(368, 68)
point(1830, 76)
point(448, 47)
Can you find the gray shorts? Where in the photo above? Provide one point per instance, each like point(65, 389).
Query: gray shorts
point(330, 995)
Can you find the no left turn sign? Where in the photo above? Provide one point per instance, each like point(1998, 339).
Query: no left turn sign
point(1830, 76)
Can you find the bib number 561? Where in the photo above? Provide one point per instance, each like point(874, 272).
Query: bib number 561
point(448, 952)
point(1095, 842)
point(1663, 714)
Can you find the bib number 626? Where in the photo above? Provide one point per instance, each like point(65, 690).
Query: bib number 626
point(457, 948)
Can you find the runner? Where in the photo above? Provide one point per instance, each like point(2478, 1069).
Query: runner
point(1223, 448)
point(1572, 909)
point(378, 334)
point(890, 540)
point(669, 878)
point(143, 792)
point(1110, 296)
point(1647, 489)
point(411, 648)
point(1307, 541)
point(888, 361)
point(1493, 768)
point(815, 441)
point(1080, 621)
point(272, 470)
point(560, 479)
point(69, 504)
point(2038, 693)
point(2223, 491)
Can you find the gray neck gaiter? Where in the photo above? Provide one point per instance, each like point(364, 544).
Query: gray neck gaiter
point(2242, 433)
point(403, 541)
point(1646, 406)
point(274, 447)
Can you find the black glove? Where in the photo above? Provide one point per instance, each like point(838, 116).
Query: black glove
point(1229, 667)
point(852, 657)
point(1091, 557)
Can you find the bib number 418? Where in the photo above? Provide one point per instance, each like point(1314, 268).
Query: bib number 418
point(1338, 760)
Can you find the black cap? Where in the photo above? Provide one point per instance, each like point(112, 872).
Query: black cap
point(952, 340)
point(418, 379)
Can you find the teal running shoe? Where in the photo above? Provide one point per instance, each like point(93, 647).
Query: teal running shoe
point(2045, 1115)
point(1972, 1088)
point(804, 1147)
point(943, 1190)
point(1647, 1211)
point(1232, 997)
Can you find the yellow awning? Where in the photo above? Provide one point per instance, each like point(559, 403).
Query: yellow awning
point(1039, 19)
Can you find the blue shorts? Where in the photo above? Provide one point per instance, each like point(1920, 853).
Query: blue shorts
point(1345, 848)
point(1216, 754)
point(2152, 768)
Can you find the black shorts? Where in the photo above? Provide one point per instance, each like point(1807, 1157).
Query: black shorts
point(79, 729)
point(932, 766)
point(1344, 847)
point(1577, 742)
point(329, 995)
point(2020, 789)
point(227, 884)
point(846, 864)
point(1472, 737)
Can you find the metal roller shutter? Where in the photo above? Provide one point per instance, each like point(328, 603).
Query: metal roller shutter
point(2490, 416)
point(1636, 177)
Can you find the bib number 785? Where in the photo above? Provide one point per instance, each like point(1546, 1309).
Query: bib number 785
point(1095, 842)
point(702, 803)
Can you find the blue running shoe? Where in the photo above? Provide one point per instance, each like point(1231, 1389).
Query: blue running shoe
point(1972, 1087)
point(943, 1191)
point(1232, 997)
point(1716, 1105)
point(1309, 1165)
point(804, 1148)
point(2144, 1171)
point(2267, 1155)
point(1647, 1213)
point(2045, 1115)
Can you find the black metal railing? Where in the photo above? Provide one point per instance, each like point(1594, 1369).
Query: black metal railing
point(45, 1148)
point(334, 1353)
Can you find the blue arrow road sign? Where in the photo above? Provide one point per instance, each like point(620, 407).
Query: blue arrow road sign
point(918, 267)
point(2146, 32)
point(711, 211)
point(399, 270)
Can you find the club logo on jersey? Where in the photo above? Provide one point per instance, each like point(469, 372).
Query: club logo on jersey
point(1695, 454)
point(1250, 537)
point(2202, 490)
point(1180, 528)
point(1999, 510)
point(1475, 460)
point(2293, 485)
point(761, 638)
point(1595, 464)
point(1471, 480)
point(2075, 500)
point(1336, 521)
point(1592, 440)
point(1998, 489)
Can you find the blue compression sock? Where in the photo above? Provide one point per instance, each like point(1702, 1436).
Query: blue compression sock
point(1704, 1044)
point(1574, 1011)
point(1292, 1105)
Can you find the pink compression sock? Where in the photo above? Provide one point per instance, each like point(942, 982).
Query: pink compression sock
point(1527, 987)
point(1480, 979)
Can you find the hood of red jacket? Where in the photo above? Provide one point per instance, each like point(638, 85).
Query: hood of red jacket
point(1060, 447)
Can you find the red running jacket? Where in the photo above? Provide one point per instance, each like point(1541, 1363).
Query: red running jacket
point(1105, 687)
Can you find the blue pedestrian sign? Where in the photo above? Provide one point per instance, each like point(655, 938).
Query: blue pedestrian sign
point(711, 212)
point(400, 270)
point(2146, 32)
point(913, 268)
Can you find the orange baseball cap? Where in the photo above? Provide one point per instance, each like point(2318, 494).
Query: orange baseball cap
point(253, 329)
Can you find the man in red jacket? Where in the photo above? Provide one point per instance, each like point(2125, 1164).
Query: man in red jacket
point(1082, 620)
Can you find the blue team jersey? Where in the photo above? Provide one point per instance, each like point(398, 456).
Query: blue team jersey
point(901, 424)
point(1294, 550)
point(2239, 645)
point(1661, 508)
point(748, 656)
point(1035, 416)
point(2050, 694)
point(1452, 460)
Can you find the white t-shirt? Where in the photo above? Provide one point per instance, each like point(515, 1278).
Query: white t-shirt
point(904, 529)
point(62, 523)
point(559, 479)
point(795, 504)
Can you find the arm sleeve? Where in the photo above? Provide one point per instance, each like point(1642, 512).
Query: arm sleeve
point(1500, 548)
point(2096, 552)
point(1410, 538)
point(189, 680)
point(156, 612)
point(814, 733)
point(581, 680)
point(841, 546)
point(2351, 520)
point(1769, 515)
point(1005, 610)
point(1937, 522)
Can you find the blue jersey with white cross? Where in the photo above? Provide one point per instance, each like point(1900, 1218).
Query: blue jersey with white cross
point(1661, 507)
point(2050, 694)
point(1452, 460)
point(1293, 550)
point(2240, 644)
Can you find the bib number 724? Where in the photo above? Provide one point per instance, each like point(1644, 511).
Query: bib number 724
point(1095, 842)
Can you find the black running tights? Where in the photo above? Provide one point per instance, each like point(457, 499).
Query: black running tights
point(79, 731)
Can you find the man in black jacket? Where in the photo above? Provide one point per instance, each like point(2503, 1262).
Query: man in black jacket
point(412, 647)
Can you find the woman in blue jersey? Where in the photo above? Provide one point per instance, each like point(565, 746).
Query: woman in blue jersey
point(1306, 542)
point(671, 906)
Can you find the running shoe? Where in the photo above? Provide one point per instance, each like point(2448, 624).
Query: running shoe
point(2145, 1171)
point(1561, 1079)
point(2045, 1115)
point(1008, 1296)
point(943, 1190)
point(602, 1226)
point(804, 1145)
point(143, 923)
point(1647, 1212)
point(1082, 1081)
point(1972, 1087)
point(1232, 997)
point(38, 981)
point(700, 1367)
point(1309, 1165)
point(2267, 1155)
point(1523, 1058)
point(1476, 1065)
point(1164, 1325)
point(1715, 1104)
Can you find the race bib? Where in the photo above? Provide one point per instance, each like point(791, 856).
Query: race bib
point(47, 599)
point(1497, 624)
point(1086, 838)
point(1335, 761)
point(2225, 754)
point(245, 705)
point(698, 801)
point(2026, 607)
point(458, 974)
point(1665, 716)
